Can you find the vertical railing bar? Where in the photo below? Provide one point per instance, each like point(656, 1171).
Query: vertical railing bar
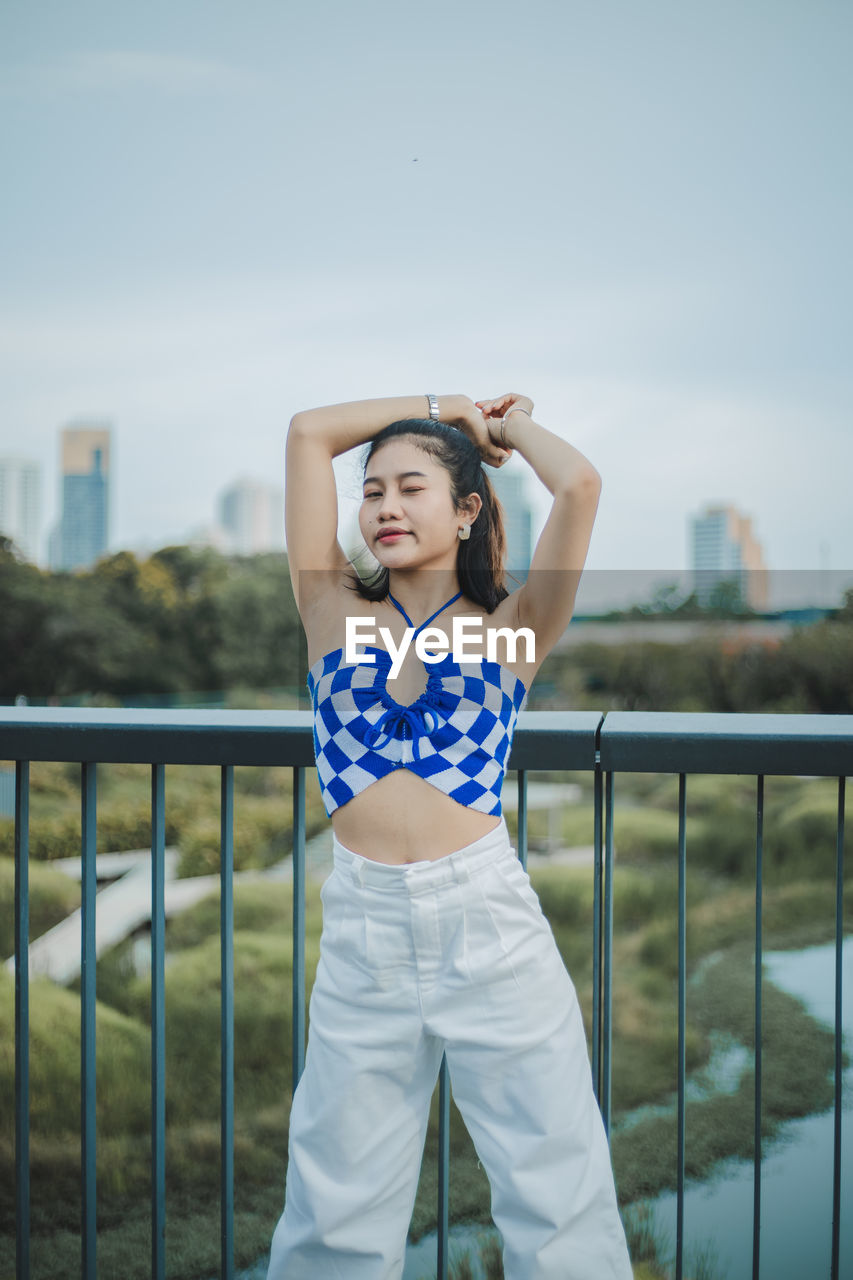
point(443, 1240)
point(298, 861)
point(522, 817)
point(22, 1020)
point(226, 937)
point(596, 932)
point(158, 1022)
point(682, 1017)
point(839, 941)
point(759, 965)
point(87, 1016)
point(607, 948)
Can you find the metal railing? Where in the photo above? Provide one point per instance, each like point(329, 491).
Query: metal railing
point(605, 746)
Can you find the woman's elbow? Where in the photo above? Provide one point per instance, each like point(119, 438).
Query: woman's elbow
point(585, 480)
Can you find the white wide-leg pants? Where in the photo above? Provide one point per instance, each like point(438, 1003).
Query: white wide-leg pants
point(456, 956)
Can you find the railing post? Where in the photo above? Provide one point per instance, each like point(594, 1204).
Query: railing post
point(522, 817)
point(298, 862)
point(596, 931)
point(759, 962)
point(226, 938)
point(443, 1234)
point(87, 1016)
point(22, 1019)
point(839, 942)
point(682, 1016)
point(158, 1022)
point(607, 965)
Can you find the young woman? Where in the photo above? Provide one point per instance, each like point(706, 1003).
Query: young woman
point(433, 937)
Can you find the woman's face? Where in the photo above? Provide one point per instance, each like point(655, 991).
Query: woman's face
point(405, 488)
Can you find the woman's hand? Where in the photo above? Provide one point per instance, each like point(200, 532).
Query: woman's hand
point(468, 418)
point(494, 412)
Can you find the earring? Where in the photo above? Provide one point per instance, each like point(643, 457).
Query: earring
point(464, 532)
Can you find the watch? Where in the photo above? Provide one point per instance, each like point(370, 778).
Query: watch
point(433, 407)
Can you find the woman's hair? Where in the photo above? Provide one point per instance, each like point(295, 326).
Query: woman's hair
point(479, 558)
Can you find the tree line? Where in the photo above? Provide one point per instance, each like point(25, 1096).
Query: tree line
point(191, 620)
point(184, 619)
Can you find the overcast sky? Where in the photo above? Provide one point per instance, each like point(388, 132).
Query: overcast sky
point(638, 214)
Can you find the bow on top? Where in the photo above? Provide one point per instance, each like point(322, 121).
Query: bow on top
point(414, 722)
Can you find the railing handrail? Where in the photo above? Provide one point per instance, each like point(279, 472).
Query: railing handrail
point(630, 741)
point(727, 742)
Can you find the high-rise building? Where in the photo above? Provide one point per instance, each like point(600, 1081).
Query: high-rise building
point(20, 497)
point(518, 523)
point(252, 515)
point(82, 534)
point(724, 550)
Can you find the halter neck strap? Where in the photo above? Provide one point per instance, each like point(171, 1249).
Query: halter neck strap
point(423, 624)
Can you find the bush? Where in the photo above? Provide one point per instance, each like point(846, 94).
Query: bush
point(801, 842)
point(262, 837)
point(122, 1052)
point(53, 896)
point(262, 1022)
point(261, 906)
point(644, 832)
point(119, 829)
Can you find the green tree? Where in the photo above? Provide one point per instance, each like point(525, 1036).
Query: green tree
point(259, 632)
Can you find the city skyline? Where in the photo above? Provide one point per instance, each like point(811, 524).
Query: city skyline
point(243, 519)
point(292, 220)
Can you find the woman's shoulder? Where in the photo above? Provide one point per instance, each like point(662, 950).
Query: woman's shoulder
point(325, 620)
point(504, 614)
point(521, 655)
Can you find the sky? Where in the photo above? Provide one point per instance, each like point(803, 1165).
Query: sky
point(218, 214)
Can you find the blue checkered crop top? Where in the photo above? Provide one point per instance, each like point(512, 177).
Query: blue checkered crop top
point(457, 735)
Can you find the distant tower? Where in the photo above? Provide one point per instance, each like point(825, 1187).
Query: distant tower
point(518, 523)
point(252, 515)
point(20, 499)
point(724, 550)
point(82, 534)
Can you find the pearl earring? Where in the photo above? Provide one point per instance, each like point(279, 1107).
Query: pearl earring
point(464, 532)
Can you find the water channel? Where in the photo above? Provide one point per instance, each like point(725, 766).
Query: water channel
point(796, 1170)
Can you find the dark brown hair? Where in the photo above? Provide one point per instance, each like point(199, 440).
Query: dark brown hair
point(480, 558)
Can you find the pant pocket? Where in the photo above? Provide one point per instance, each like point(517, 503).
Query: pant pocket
point(514, 875)
point(339, 910)
point(387, 946)
point(521, 939)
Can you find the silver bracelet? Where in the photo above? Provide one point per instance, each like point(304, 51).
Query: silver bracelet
point(433, 407)
point(516, 408)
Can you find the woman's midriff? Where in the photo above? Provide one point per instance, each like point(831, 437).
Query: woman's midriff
point(401, 818)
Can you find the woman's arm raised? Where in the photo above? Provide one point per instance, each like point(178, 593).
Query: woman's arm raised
point(315, 558)
point(342, 427)
point(545, 602)
point(557, 463)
